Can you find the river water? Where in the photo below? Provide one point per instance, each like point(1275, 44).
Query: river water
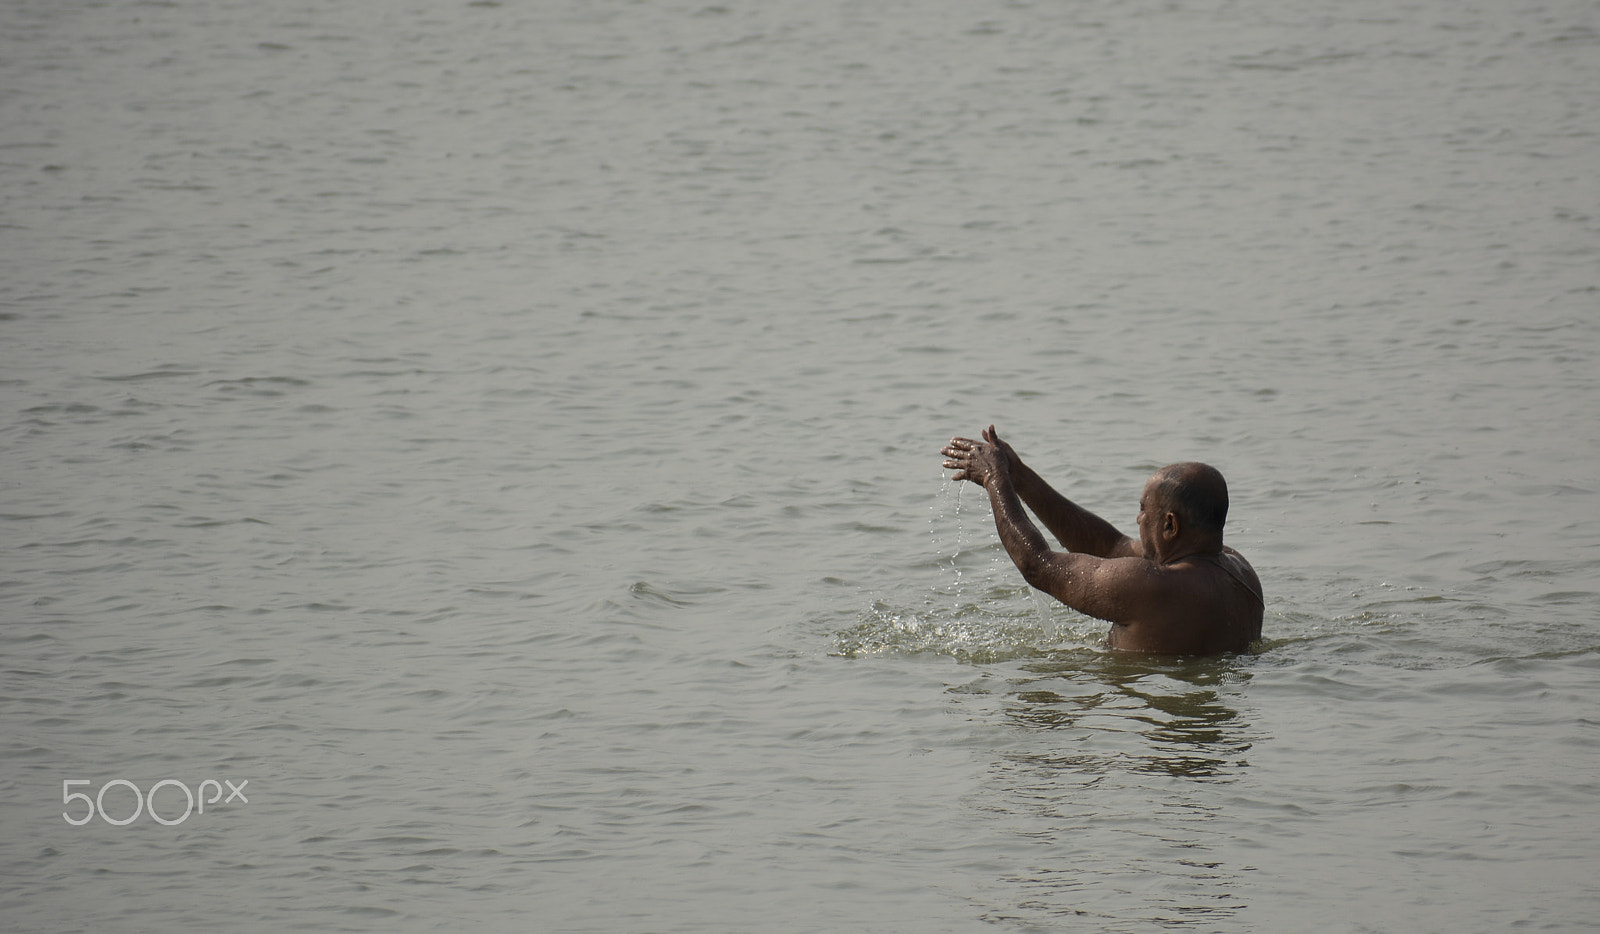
point(495, 444)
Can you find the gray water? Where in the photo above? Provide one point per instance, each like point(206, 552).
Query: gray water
point(503, 436)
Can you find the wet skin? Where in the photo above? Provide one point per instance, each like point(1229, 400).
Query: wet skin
point(1173, 590)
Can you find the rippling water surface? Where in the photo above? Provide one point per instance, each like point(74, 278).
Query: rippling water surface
point(502, 436)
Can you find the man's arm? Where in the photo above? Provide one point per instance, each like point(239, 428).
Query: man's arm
point(1109, 588)
point(1078, 529)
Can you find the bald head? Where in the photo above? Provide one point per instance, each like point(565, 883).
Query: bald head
point(1196, 492)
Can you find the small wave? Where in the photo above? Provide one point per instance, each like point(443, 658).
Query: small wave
point(168, 371)
point(972, 633)
point(258, 386)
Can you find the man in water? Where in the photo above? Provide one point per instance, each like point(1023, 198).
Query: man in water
point(1174, 590)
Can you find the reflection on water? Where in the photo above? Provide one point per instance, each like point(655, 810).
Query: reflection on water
point(1114, 785)
point(1163, 715)
point(1118, 780)
point(1175, 710)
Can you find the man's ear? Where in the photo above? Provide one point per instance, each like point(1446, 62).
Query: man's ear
point(1170, 525)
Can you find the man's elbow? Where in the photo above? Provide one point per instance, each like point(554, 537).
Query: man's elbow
point(1037, 571)
point(1063, 576)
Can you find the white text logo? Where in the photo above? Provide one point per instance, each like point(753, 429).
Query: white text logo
point(193, 803)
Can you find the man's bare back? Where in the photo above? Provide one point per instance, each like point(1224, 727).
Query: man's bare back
point(1174, 590)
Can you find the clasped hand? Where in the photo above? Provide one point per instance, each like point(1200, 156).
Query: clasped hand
point(978, 461)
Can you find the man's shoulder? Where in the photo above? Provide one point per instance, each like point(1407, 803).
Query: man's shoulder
point(1200, 574)
point(1235, 563)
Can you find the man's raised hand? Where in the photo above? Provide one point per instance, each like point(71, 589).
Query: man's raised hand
point(1012, 460)
point(977, 461)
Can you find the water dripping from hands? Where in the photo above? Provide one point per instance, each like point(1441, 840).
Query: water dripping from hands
point(939, 518)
